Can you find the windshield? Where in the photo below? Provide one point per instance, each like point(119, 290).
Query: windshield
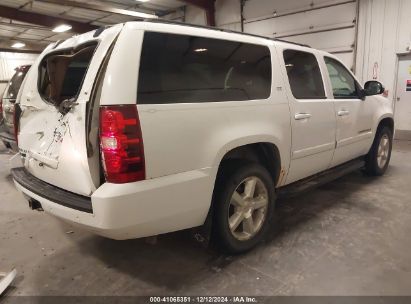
point(15, 83)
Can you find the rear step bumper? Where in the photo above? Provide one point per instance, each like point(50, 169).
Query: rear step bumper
point(131, 210)
point(50, 192)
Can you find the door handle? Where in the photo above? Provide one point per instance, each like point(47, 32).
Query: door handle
point(343, 113)
point(301, 116)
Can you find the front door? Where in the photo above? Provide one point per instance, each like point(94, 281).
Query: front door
point(403, 101)
point(354, 116)
point(312, 116)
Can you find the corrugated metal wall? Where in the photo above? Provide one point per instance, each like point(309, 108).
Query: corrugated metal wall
point(323, 24)
point(384, 31)
point(9, 61)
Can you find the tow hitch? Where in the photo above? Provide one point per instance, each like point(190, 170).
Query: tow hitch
point(35, 205)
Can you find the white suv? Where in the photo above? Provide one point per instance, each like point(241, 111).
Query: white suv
point(150, 127)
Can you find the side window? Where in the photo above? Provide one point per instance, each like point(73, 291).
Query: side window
point(15, 83)
point(304, 75)
point(188, 69)
point(343, 83)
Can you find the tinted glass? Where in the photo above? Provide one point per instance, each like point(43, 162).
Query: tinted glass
point(187, 69)
point(342, 82)
point(304, 75)
point(74, 77)
point(15, 83)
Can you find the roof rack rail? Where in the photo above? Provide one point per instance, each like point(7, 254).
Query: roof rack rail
point(219, 29)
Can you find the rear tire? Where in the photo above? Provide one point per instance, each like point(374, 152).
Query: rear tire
point(378, 159)
point(243, 206)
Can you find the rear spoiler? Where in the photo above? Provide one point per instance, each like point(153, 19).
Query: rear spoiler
point(97, 33)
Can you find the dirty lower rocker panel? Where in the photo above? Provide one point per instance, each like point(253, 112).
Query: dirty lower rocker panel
point(50, 192)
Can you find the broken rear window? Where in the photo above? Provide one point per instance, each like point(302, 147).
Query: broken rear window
point(61, 74)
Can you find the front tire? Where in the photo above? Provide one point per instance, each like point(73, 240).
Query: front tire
point(378, 159)
point(243, 207)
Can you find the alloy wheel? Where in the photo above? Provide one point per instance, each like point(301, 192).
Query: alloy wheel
point(383, 151)
point(248, 208)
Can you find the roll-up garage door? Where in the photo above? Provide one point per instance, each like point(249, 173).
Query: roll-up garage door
point(326, 25)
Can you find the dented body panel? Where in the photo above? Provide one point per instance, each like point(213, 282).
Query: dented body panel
point(52, 143)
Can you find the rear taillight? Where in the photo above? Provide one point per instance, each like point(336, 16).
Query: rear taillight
point(16, 120)
point(121, 144)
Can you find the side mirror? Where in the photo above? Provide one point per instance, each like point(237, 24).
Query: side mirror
point(373, 87)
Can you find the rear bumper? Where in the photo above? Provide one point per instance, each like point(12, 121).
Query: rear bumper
point(127, 211)
point(50, 192)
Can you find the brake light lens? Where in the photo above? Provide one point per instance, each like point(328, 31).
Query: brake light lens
point(121, 144)
point(16, 121)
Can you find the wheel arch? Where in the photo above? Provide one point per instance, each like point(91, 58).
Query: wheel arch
point(265, 153)
point(386, 121)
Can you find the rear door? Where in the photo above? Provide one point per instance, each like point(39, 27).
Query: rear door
point(313, 119)
point(54, 101)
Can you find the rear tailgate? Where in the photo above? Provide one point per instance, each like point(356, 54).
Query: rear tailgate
point(54, 101)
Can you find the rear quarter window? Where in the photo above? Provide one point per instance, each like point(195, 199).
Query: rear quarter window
point(189, 69)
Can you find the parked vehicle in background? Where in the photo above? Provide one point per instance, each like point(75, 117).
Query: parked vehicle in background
point(151, 127)
point(7, 102)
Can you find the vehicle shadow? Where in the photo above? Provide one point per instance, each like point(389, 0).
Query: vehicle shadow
point(298, 210)
point(176, 261)
point(9, 179)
